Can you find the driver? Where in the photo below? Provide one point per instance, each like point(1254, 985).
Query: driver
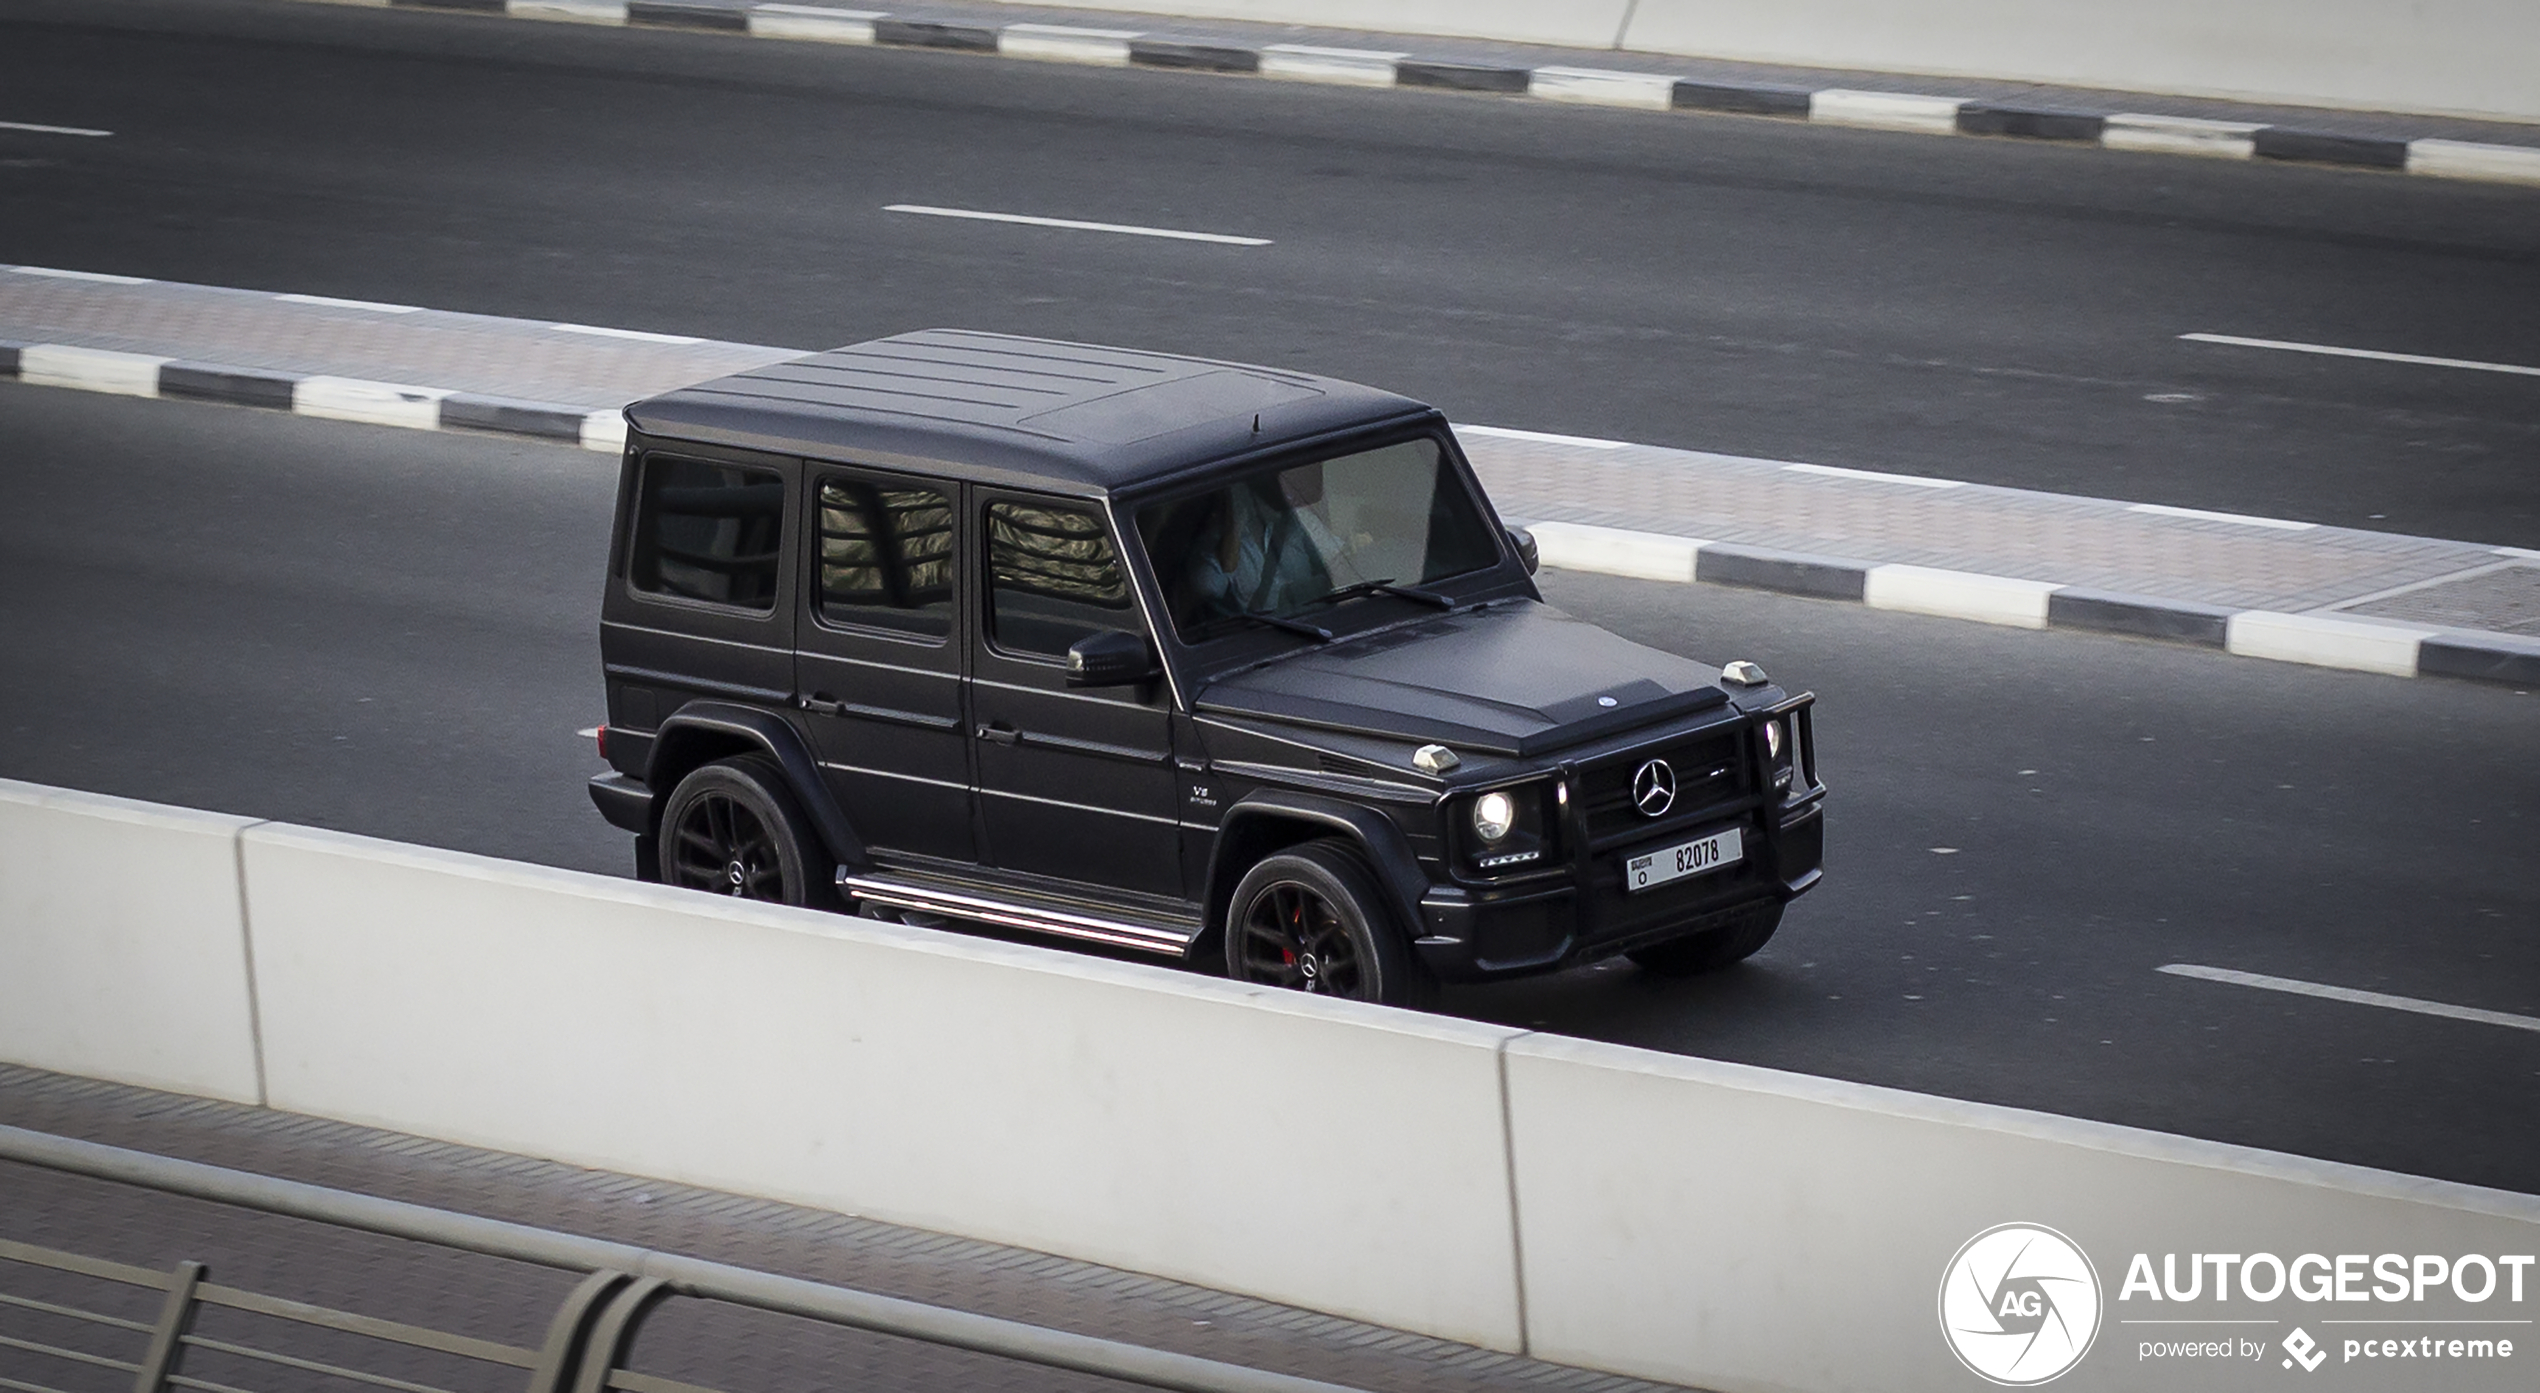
point(1262, 552)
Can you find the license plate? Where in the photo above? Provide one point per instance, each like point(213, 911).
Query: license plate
point(1701, 856)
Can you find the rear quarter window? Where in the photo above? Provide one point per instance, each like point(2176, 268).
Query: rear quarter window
point(709, 531)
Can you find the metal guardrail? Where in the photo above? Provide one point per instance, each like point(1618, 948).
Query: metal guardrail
point(589, 1334)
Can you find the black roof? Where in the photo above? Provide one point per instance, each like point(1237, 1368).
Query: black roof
point(1000, 408)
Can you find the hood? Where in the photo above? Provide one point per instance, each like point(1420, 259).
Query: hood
point(1512, 680)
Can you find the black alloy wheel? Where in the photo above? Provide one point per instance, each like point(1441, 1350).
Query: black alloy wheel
point(1293, 938)
point(732, 828)
point(1307, 920)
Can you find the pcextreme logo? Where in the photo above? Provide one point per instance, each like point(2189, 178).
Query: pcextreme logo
point(2019, 1304)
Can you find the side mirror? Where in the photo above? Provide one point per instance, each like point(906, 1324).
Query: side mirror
point(1110, 659)
point(1527, 551)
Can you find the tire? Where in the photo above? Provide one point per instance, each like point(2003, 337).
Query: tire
point(1311, 919)
point(1711, 949)
point(733, 828)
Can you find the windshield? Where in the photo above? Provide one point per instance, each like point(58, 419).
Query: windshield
point(1286, 540)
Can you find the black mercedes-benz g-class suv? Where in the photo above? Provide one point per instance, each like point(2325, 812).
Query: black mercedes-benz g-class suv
point(1212, 661)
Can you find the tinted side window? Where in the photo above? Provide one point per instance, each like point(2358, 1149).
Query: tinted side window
point(1053, 578)
point(709, 532)
point(885, 556)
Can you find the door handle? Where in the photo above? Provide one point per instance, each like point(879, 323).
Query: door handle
point(820, 704)
point(1001, 734)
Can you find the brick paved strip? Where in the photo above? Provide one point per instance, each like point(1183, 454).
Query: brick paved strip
point(1908, 111)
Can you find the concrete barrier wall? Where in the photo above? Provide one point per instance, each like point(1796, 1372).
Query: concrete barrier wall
point(2478, 57)
point(1729, 1227)
point(121, 951)
point(1330, 1155)
point(1746, 1229)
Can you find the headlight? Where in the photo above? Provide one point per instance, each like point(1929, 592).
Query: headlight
point(1773, 737)
point(1493, 815)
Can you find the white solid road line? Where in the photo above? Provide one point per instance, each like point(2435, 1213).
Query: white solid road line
point(33, 128)
point(1543, 437)
point(1074, 225)
point(2330, 351)
point(1836, 471)
point(2358, 998)
point(2203, 515)
point(100, 277)
point(640, 336)
point(329, 302)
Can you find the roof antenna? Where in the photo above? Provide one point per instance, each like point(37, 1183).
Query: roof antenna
point(1256, 423)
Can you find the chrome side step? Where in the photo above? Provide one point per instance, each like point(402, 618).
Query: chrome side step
point(964, 904)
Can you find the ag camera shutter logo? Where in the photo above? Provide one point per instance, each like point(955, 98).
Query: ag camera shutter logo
point(2019, 1304)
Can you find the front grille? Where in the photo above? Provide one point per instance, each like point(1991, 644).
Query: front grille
point(1710, 768)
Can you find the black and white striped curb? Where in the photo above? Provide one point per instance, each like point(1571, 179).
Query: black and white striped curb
point(2323, 640)
point(2320, 640)
point(1892, 111)
point(333, 398)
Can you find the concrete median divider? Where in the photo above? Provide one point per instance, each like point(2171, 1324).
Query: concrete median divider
point(1720, 1225)
point(1343, 1158)
point(1750, 1229)
point(122, 951)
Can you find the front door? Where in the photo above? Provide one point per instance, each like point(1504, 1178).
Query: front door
point(878, 672)
point(1075, 784)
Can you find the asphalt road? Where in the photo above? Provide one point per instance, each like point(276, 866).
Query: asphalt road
point(394, 633)
point(1997, 311)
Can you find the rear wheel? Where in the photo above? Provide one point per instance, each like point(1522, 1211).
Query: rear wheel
point(1711, 949)
point(1310, 919)
point(733, 828)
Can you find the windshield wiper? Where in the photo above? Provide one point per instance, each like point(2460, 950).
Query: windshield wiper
point(1387, 587)
point(1315, 632)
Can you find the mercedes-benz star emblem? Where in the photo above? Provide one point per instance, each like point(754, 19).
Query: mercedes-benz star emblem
point(1654, 788)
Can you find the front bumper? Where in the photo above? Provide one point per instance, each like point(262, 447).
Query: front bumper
point(1581, 912)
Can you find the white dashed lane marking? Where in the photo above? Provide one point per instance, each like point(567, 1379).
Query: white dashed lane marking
point(2331, 351)
point(2353, 997)
point(33, 128)
point(1074, 225)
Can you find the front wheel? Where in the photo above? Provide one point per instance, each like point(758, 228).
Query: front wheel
point(1711, 949)
point(733, 828)
point(1310, 919)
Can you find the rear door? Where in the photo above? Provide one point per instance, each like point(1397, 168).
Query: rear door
point(876, 664)
point(1073, 784)
point(696, 613)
